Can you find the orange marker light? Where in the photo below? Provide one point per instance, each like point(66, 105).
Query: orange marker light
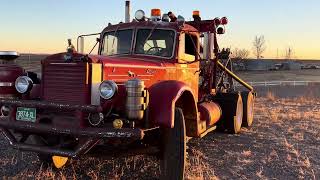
point(155, 12)
point(196, 13)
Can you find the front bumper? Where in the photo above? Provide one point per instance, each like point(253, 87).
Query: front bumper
point(92, 135)
point(51, 105)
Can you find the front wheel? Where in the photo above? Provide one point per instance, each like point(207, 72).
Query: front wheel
point(172, 163)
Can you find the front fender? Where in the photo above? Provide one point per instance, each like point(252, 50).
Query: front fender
point(163, 97)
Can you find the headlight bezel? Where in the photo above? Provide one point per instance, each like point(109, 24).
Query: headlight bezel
point(28, 84)
point(112, 86)
point(140, 15)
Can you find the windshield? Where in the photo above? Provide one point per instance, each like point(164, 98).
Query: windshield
point(159, 43)
point(117, 42)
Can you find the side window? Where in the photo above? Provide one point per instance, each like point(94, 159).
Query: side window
point(191, 44)
point(188, 47)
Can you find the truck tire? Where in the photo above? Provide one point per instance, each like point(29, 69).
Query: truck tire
point(232, 112)
point(248, 108)
point(173, 157)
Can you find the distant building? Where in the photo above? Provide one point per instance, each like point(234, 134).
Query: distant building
point(258, 65)
point(291, 65)
point(267, 64)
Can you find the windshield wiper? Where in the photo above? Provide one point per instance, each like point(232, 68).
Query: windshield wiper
point(114, 38)
point(150, 34)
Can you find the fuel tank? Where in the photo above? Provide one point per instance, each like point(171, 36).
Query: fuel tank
point(209, 112)
point(8, 75)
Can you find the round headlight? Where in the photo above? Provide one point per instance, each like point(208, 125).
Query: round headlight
point(23, 84)
point(108, 89)
point(140, 15)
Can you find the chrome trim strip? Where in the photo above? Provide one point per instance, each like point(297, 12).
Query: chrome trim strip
point(63, 63)
point(123, 80)
point(6, 84)
point(116, 75)
point(134, 66)
point(7, 96)
point(9, 53)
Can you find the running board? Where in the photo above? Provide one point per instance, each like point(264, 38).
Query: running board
point(212, 128)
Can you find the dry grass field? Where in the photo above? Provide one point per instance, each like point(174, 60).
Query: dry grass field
point(284, 143)
point(285, 75)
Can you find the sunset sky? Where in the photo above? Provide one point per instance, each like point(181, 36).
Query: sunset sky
point(43, 26)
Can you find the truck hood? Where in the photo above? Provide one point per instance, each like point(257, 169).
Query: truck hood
point(122, 68)
point(121, 61)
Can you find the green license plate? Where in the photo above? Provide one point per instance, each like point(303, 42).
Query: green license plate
point(26, 114)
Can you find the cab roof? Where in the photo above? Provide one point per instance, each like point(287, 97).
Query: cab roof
point(177, 26)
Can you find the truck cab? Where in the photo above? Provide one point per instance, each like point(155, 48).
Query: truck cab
point(154, 82)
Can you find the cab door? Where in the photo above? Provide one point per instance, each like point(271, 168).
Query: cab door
point(188, 66)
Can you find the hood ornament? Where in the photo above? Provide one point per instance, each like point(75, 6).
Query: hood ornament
point(70, 50)
point(131, 74)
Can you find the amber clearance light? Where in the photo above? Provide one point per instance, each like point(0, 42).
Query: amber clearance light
point(155, 12)
point(196, 13)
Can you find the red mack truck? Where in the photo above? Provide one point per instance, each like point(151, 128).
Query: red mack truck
point(154, 82)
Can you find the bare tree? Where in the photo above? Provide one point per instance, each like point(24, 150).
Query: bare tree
point(239, 54)
point(259, 46)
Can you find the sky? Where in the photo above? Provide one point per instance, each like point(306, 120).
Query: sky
point(43, 26)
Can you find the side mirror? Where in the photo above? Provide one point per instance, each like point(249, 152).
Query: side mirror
point(80, 44)
point(9, 55)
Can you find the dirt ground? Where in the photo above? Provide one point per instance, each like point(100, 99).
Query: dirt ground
point(283, 143)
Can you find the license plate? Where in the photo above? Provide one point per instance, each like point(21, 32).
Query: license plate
point(26, 114)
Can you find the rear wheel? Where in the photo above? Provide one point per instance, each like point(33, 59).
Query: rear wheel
point(248, 108)
point(234, 122)
point(232, 112)
point(173, 157)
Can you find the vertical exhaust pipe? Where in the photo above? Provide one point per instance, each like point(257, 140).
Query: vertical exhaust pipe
point(81, 45)
point(127, 12)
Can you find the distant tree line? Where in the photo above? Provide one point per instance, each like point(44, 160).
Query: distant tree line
point(259, 47)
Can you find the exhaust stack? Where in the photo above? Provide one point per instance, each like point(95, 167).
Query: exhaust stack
point(81, 45)
point(127, 12)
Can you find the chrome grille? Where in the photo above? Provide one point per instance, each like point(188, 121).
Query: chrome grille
point(65, 83)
